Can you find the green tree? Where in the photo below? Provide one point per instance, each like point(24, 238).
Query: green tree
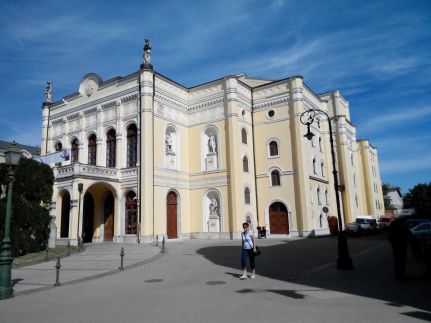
point(419, 198)
point(386, 198)
point(32, 192)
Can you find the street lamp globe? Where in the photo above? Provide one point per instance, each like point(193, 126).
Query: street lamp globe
point(12, 155)
point(309, 135)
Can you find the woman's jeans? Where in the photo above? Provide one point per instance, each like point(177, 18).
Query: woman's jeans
point(250, 254)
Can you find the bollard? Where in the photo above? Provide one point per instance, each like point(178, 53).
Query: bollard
point(57, 272)
point(121, 255)
point(46, 255)
point(68, 248)
point(163, 244)
point(157, 240)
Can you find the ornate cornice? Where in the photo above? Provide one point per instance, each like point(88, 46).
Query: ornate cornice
point(128, 98)
point(73, 116)
point(57, 121)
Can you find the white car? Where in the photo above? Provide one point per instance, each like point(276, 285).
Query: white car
point(422, 230)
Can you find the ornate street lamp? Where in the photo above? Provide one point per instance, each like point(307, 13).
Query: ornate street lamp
point(308, 118)
point(12, 156)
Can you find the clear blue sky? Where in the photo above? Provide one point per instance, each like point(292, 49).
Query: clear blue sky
point(377, 53)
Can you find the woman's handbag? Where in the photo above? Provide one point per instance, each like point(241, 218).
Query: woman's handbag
point(257, 252)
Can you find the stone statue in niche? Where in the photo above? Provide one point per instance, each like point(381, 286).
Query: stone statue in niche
point(213, 208)
point(147, 51)
point(169, 143)
point(212, 146)
point(48, 92)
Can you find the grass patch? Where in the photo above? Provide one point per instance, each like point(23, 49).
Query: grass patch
point(42, 255)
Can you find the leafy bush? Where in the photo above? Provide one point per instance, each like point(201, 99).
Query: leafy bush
point(32, 189)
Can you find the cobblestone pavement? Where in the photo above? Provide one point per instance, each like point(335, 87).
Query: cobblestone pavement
point(197, 281)
point(96, 261)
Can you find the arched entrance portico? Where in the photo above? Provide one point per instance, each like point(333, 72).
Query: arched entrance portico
point(278, 218)
point(100, 213)
point(171, 215)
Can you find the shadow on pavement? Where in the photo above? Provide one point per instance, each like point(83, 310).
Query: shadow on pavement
point(311, 262)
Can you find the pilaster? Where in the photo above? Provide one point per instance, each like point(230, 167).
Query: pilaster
point(147, 151)
point(300, 158)
point(233, 158)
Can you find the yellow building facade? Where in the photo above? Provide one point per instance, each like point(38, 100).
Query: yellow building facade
point(150, 157)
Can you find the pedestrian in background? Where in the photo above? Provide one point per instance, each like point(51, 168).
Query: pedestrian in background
point(248, 250)
point(399, 238)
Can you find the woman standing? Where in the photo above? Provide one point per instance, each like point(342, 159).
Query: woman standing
point(248, 249)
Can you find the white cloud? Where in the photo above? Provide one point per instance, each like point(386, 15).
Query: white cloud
point(382, 122)
point(405, 165)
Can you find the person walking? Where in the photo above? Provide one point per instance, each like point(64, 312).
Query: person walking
point(248, 250)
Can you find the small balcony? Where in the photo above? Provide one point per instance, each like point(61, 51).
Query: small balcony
point(76, 170)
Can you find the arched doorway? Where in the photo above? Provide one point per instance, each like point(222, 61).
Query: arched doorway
point(88, 218)
point(108, 211)
point(65, 214)
point(171, 210)
point(130, 213)
point(278, 218)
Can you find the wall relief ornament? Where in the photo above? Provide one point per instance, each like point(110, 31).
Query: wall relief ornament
point(89, 88)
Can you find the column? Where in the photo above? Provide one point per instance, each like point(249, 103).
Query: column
point(45, 127)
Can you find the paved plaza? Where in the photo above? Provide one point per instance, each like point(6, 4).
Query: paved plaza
point(197, 281)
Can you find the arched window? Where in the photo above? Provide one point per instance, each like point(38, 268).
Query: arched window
point(275, 178)
point(58, 146)
point(130, 217)
point(318, 196)
point(110, 148)
point(244, 136)
point(132, 145)
point(326, 197)
point(314, 166)
point(351, 158)
point(273, 148)
point(92, 150)
point(245, 164)
point(322, 169)
point(74, 150)
point(356, 200)
point(247, 195)
point(320, 144)
point(354, 179)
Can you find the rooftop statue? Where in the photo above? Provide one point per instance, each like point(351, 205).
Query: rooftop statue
point(147, 51)
point(48, 92)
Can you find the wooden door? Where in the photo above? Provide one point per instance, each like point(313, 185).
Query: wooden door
point(171, 210)
point(278, 218)
point(109, 218)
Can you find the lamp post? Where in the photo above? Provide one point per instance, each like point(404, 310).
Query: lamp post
point(308, 118)
point(12, 156)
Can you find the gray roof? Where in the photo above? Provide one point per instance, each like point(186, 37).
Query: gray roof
point(33, 150)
